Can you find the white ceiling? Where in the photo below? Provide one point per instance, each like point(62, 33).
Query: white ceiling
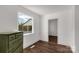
point(46, 9)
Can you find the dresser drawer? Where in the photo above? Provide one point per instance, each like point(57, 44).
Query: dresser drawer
point(19, 35)
point(11, 51)
point(11, 37)
point(19, 49)
point(16, 51)
point(12, 44)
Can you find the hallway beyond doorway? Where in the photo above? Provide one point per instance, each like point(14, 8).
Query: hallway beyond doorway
point(53, 39)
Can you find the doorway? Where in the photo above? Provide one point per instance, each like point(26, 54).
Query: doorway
point(52, 31)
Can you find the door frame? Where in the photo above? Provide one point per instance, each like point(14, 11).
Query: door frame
point(57, 28)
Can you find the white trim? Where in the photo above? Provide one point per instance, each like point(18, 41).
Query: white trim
point(27, 34)
point(57, 26)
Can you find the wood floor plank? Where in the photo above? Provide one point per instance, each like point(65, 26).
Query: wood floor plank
point(48, 47)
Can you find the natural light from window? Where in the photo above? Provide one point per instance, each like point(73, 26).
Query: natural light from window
point(25, 23)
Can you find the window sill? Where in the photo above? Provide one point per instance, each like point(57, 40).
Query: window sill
point(27, 34)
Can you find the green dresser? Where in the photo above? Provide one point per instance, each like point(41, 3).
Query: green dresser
point(11, 42)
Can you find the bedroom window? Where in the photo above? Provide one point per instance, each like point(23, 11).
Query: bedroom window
point(25, 23)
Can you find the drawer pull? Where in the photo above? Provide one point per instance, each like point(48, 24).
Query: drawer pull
point(11, 37)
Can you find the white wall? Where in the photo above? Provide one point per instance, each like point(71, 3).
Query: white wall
point(52, 27)
point(8, 22)
point(77, 28)
point(65, 27)
point(8, 18)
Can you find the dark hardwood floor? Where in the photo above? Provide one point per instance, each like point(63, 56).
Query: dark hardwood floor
point(47, 47)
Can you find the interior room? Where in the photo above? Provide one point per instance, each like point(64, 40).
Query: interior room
point(39, 28)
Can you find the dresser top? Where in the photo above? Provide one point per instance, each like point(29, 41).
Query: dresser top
point(9, 32)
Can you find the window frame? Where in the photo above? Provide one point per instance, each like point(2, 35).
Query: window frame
point(32, 24)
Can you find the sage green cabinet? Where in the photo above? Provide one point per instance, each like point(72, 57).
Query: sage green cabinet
point(11, 42)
